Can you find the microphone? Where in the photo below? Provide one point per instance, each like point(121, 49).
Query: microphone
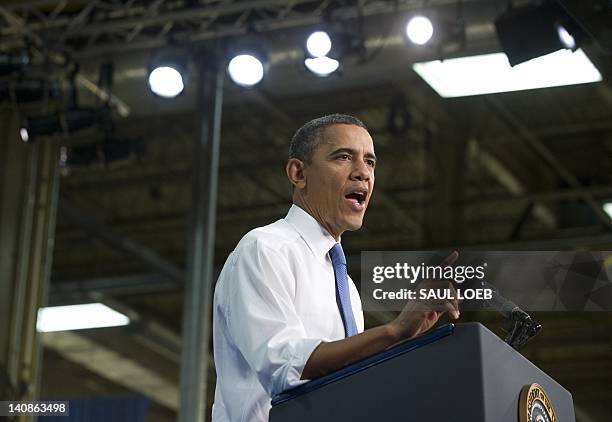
point(518, 325)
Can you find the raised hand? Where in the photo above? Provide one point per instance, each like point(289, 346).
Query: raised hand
point(419, 315)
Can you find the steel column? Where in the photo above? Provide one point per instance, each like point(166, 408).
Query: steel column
point(199, 283)
point(28, 192)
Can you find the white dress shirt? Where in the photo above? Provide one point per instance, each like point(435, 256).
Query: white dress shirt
point(274, 302)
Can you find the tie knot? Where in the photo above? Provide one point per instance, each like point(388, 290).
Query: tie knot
point(337, 254)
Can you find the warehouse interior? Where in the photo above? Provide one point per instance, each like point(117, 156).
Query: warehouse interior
point(120, 211)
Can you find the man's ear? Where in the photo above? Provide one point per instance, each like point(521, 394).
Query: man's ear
point(295, 173)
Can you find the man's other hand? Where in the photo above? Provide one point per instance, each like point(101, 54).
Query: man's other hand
point(419, 316)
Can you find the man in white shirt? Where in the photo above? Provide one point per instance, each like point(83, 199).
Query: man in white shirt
point(284, 309)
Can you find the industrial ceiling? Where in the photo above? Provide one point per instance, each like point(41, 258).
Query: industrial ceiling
point(525, 170)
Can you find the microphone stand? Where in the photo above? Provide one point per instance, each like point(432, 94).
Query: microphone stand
point(520, 328)
point(517, 324)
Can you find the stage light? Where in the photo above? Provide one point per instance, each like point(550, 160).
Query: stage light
point(419, 30)
point(566, 38)
point(318, 44)
point(322, 66)
point(322, 57)
point(492, 73)
point(534, 30)
point(246, 69)
point(168, 74)
point(166, 82)
point(63, 122)
point(78, 317)
point(607, 207)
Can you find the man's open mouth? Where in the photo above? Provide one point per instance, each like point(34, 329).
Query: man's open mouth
point(358, 196)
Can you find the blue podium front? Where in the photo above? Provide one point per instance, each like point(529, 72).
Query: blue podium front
point(453, 373)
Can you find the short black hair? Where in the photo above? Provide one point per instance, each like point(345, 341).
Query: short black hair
point(306, 138)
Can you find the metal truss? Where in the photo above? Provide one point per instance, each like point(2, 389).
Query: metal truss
point(91, 28)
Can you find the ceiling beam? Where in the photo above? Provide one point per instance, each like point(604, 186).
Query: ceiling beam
point(536, 144)
point(120, 242)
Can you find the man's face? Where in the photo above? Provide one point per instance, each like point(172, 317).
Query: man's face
point(340, 178)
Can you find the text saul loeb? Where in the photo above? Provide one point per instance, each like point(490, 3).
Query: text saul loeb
point(413, 273)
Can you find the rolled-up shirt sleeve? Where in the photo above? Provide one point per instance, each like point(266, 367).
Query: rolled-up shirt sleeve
point(262, 319)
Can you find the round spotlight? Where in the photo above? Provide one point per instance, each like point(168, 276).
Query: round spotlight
point(566, 38)
point(322, 66)
point(166, 81)
point(318, 44)
point(419, 30)
point(246, 70)
point(23, 133)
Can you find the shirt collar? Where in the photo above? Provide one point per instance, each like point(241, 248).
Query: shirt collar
point(314, 234)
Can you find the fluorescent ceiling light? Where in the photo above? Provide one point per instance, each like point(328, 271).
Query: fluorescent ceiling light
point(78, 317)
point(608, 208)
point(492, 73)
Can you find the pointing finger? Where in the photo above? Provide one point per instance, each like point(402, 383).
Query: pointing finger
point(449, 260)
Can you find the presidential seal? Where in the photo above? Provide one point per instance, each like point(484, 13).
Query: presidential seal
point(534, 405)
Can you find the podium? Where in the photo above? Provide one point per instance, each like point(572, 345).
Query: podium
point(460, 372)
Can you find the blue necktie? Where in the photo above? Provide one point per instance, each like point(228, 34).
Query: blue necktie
point(343, 297)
